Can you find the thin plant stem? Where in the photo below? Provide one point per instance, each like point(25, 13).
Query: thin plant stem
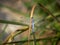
point(40, 39)
point(30, 25)
point(47, 11)
point(13, 34)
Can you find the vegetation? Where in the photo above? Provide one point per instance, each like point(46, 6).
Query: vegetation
point(44, 17)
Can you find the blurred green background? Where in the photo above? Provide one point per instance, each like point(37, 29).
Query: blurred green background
point(15, 21)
